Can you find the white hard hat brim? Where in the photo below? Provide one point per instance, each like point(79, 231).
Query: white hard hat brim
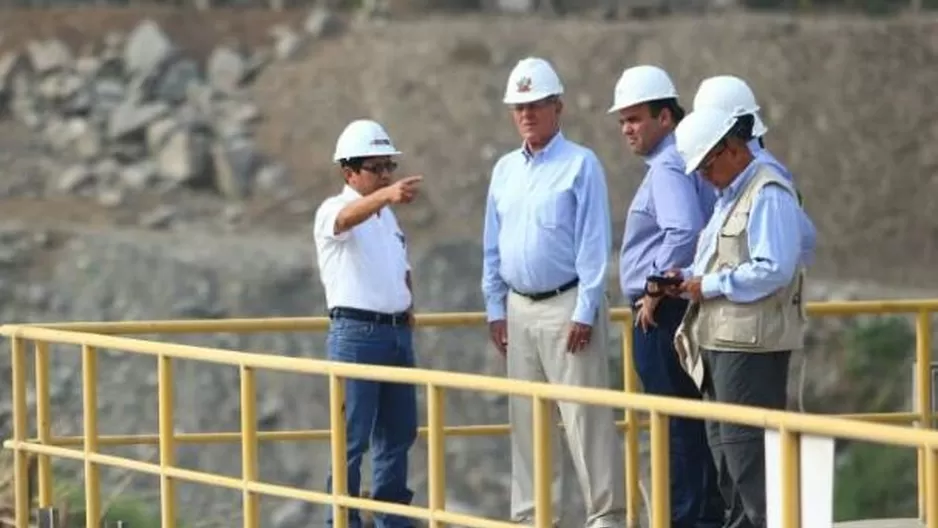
point(627, 104)
point(378, 150)
point(758, 126)
point(694, 163)
point(528, 97)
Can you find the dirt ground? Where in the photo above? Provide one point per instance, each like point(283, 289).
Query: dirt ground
point(843, 98)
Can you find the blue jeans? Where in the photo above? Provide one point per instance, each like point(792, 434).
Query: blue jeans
point(695, 496)
point(383, 413)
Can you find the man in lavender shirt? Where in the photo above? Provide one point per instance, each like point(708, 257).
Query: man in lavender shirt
point(664, 220)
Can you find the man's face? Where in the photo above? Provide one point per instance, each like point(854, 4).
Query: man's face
point(717, 167)
point(537, 121)
point(640, 130)
point(375, 173)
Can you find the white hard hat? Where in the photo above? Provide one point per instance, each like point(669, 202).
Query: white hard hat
point(641, 84)
point(532, 79)
point(363, 138)
point(733, 95)
point(699, 132)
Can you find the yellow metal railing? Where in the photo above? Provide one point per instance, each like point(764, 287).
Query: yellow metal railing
point(92, 336)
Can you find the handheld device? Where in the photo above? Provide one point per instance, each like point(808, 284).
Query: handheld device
point(661, 280)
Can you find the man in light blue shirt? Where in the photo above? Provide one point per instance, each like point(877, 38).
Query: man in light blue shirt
point(665, 217)
point(546, 244)
point(746, 286)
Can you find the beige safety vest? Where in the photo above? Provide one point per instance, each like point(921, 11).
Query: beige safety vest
point(773, 323)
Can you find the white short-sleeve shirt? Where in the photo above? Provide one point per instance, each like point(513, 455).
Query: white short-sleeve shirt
point(366, 266)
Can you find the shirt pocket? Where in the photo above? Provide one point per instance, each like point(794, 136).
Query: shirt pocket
point(552, 209)
point(642, 203)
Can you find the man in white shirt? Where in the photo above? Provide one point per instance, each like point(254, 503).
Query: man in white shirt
point(362, 256)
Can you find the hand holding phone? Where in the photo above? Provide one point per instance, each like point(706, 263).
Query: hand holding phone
point(662, 280)
point(658, 285)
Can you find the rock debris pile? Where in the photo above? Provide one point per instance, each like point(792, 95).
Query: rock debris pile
point(135, 112)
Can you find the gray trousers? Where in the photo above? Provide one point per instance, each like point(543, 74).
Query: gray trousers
point(754, 379)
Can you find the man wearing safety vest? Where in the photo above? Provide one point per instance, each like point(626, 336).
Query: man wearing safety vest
point(364, 269)
point(546, 244)
point(661, 228)
point(747, 308)
point(732, 94)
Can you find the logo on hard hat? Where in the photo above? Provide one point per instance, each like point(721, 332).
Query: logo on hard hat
point(379, 141)
point(524, 85)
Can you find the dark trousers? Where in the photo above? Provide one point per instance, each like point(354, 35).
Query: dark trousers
point(377, 413)
point(755, 379)
point(695, 498)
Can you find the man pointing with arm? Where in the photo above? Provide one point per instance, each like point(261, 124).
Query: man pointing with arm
point(366, 275)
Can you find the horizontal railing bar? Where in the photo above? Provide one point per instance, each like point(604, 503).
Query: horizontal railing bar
point(896, 417)
point(285, 436)
point(300, 324)
point(452, 430)
point(706, 410)
point(264, 488)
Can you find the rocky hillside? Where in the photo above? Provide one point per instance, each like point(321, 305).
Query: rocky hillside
point(199, 204)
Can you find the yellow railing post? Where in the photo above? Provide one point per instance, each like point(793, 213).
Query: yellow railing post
point(791, 478)
point(20, 462)
point(339, 448)
point(249, 465)
point(543, 467)
point(630, 385)
point(89, 387)
point(43, 422)
point(931, 476)
point(923, 398)
point(436, 448)
point(164, 368)
point(660, 472)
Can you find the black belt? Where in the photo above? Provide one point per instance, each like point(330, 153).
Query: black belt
point(367, 316)
point(540, 296)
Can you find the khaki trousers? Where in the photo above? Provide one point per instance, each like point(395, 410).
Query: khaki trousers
point(537, 341)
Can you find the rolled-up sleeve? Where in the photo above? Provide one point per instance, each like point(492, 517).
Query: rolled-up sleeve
point(324, 221)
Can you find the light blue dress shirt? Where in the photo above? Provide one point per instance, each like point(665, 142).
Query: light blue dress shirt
point(808, 230)
point(781, 237)
point(762, 155)
point(666, 215)
point(546, 223)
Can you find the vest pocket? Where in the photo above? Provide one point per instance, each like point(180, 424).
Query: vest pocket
point(738, 327)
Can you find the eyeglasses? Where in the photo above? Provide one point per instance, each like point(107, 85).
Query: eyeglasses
point(378, 168)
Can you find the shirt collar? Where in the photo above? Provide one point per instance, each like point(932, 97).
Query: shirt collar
point(733, 190)
point(347, 190)
point(660, 148)
point(754, 145)
point(544, 152)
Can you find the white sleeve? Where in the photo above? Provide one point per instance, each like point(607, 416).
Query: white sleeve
point(324, 223)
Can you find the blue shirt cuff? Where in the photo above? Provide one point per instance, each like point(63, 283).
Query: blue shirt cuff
point(687, 272)
point(495, 310)
point(710, 286)
point(584, 313)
